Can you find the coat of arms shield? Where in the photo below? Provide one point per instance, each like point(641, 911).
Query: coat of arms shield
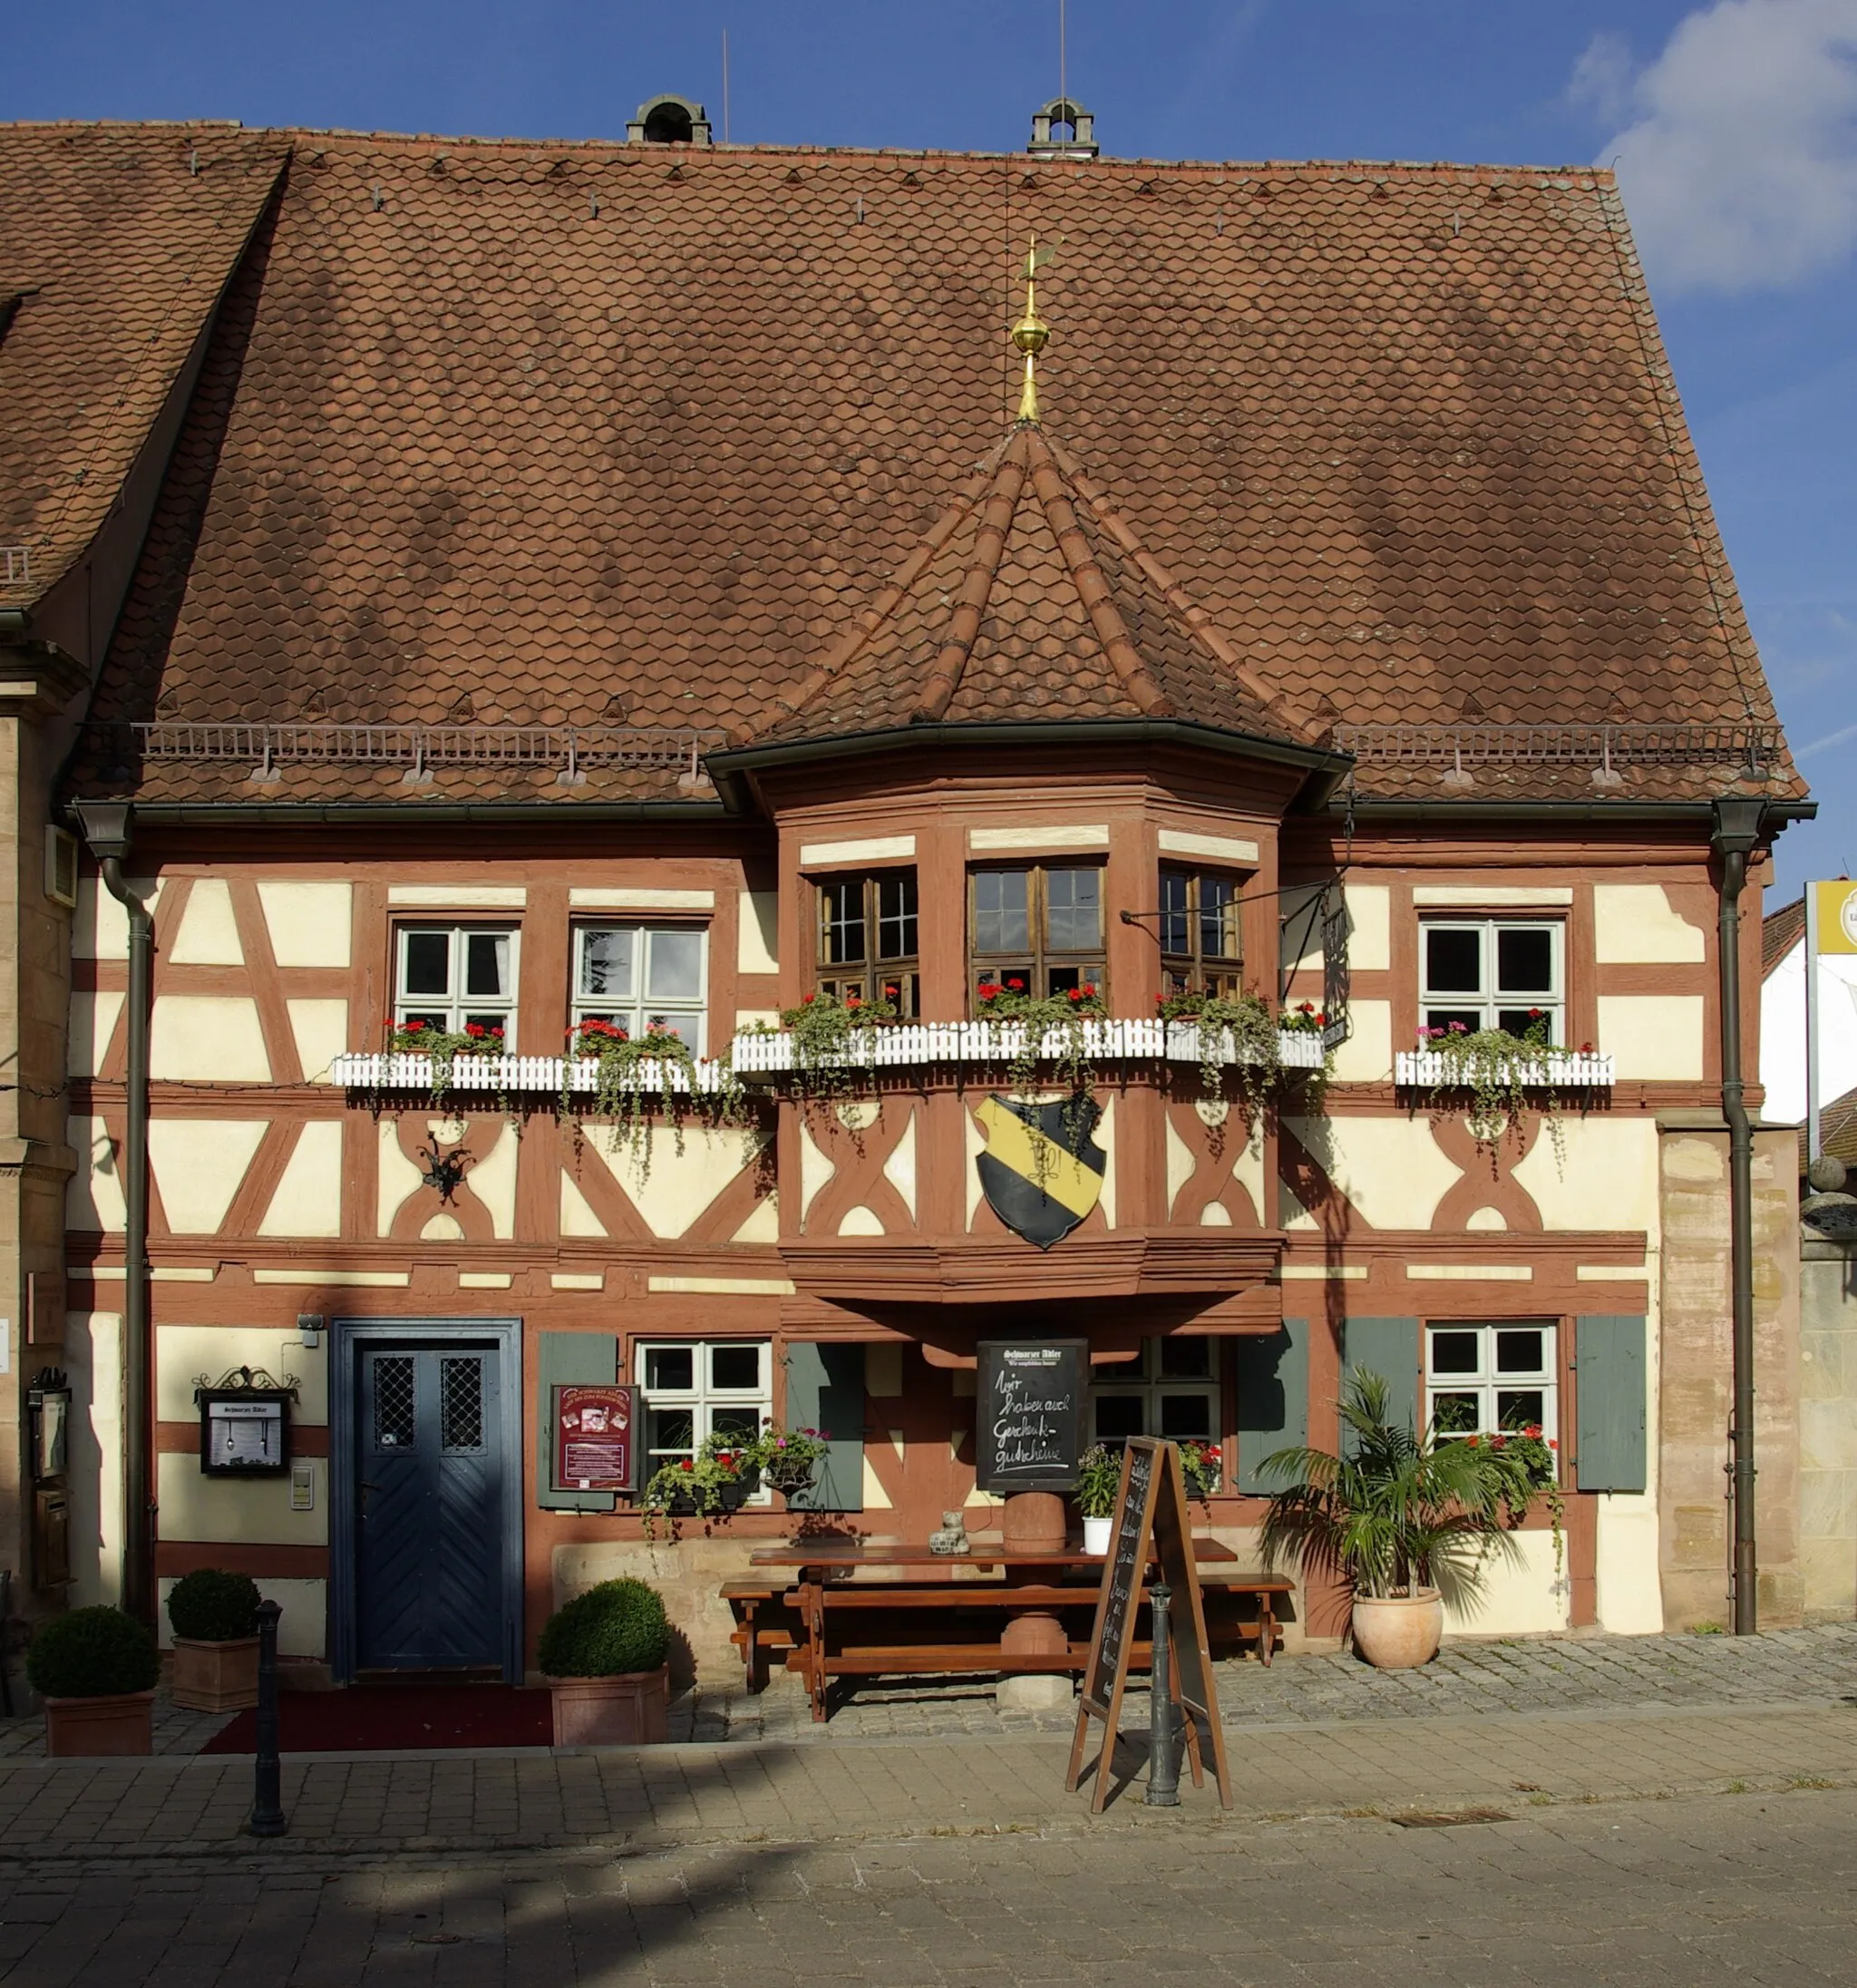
point(1042, 1171)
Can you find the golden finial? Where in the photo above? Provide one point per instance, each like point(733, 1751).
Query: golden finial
point(1031, 333)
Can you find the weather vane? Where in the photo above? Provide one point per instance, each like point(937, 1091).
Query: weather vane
point(1031, 334)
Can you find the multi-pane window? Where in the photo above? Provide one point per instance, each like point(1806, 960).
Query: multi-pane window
point(636, 976)
point(1171, 1389)
point(867, 944)
point(1481, 1380)
point(1200, 950)
point(1041, 926)
point(458, 980)
point(1493, 973)
point(699, 1388)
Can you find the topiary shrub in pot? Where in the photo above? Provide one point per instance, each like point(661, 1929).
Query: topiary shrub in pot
point(214, 1616)
point(606, 1657)
point(95, 1668)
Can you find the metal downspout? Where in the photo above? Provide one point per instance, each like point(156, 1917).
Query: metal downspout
point(1738, 829)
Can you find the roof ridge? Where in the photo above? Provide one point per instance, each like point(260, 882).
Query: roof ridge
point(996, 516)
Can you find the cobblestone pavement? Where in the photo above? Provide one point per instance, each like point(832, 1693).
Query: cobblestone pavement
point(1755, 1887)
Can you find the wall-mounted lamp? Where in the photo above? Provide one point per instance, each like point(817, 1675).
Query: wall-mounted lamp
point(309, 1327)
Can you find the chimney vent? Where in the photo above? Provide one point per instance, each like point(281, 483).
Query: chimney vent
point(1062, 129)
point(668, 121)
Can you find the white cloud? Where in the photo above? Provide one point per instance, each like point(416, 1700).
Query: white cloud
point(1739, 158)
point(1602, 79)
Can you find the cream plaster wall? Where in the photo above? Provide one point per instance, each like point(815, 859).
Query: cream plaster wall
point(757, 929)
point(93, 1195)
point(899, 1168)
point(303, 1627)
point(100, 926)
point(87, 1038)
point(397, 1178)
point(197, 1164)
point(1367, 1056)
point(184, 1352)
point(320, 1029)
point(860, 1221)
point(1369, 926)
point(1604, 1177)
point(1521, 1594)
point(238, 1511)
point(578, 1217)
point(674, 1173)
point(762, 1225)
point(492, 1181)
point(1390, 1169)
point(308, 1198)
point(208, 1037)
point(1179, 1164)
point(209, 934)
point(1635, 924)
point(93, 1452)
point(310, 922)
point(816, 1169)
point(1653, 1036)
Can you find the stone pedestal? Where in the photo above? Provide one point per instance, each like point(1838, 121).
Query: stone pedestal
point(1033, 1522)
point(1038, 1692)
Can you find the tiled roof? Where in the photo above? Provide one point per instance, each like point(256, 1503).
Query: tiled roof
point(595, 433)
point(114, 242)
point(1780, 932)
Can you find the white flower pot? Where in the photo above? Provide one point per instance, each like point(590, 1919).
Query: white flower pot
point(1097, 1535)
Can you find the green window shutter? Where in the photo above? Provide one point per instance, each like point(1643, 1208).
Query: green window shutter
point(568, 1359)
point(1390, 1347)
point(825, 1390)
point(1273, 1399)
point(1608, 1362)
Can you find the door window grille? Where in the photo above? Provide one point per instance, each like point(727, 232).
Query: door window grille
point(393, 1402)
point(461, 1404)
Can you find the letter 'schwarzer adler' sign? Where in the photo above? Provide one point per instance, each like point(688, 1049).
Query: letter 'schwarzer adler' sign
point(1030, 1409)
point(1042, 1171)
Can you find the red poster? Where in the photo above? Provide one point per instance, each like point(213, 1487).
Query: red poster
point(593, 1438)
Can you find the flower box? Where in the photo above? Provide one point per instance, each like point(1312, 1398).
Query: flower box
point(513, 1075)
point(215, 1677)
point(97, 1728)
point(630, 1710)
point(1560, 1070)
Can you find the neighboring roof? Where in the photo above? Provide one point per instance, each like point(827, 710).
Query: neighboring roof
point(1029, 599)
point(1837, 1130)
point(1780, 932)
point(114, 242)
point(538, 433)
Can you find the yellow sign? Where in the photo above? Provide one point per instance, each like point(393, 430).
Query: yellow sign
point(1836, 906)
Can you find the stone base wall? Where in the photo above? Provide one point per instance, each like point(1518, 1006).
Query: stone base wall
point(1828, 1428)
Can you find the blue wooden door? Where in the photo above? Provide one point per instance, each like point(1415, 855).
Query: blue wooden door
point(428, 1547)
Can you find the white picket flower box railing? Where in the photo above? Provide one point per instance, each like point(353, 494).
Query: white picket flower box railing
point(1563, 1070)
point(774, 1053)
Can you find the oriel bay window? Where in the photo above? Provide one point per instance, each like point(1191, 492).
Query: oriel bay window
point(1501, 973)
point(1482, 1378)
point(1042, 927)
point(1201, 949)
point(457, 979)
point(865, 948)
point(639, 977)
point(1171, 1389)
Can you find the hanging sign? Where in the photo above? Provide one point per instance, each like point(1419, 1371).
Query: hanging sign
point(1042, 1171)
point(1029, 1400)
point(1151, 1526)
point(594, 1448)
point(1835, 916)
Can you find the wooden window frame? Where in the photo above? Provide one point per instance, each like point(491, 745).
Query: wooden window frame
point(457, 1009)
point(1487, 1382)
point(869, 977)
point(1039, 959)
point(633, 1013)
point(1191, 971)
point(1147, 1383)
point(1554, 1005)
point(703, 1399)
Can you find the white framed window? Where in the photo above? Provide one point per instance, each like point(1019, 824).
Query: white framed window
point(1482, 1379)
point(1507, 973)
point(638, 975)
point(1171, 1387)
point(457, 979)
point(695, 1388)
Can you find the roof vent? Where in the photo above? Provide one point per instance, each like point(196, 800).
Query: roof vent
point(1062, 129)
point(668, 121)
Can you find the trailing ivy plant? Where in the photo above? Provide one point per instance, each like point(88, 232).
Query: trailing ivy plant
point(619, 1092)
point(1057, 1019)
point(1493, 1065)
point(1256, 1064)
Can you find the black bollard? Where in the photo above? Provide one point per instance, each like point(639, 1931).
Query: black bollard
point(1163, 1755)
point(267, 1798)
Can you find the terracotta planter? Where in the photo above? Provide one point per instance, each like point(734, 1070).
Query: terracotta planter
point(215, 1677)
point(631, 1710)
point(1398, 1632)
point(95, 1729)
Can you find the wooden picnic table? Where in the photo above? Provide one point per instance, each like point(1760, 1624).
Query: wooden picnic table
point(1027, 1583)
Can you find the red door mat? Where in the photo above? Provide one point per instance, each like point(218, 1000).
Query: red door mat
point(398, 1719)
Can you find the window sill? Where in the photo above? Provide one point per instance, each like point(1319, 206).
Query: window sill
point(906, 1044)
point(1425, 1069)
point(512, 1076)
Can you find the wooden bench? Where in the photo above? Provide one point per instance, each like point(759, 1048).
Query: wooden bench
point(747, 1598)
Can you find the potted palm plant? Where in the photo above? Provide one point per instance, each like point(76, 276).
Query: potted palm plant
point(605, 1656)
point(95, 1670)
point(1099, 1479)
point(1394, 1516)
point(214, 1616)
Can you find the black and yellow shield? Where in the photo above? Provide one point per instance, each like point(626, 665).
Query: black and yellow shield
point(1042, 1171)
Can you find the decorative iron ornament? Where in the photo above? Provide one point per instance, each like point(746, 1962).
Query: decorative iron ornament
point(247, 1380)
point(444, 1171)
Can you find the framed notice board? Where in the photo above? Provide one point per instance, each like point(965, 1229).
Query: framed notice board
point(1030, 1398)
point(596, 1447)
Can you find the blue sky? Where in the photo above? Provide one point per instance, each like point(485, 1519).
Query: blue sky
point(1734, 123)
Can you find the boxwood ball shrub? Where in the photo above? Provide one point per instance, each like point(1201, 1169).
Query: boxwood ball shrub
point(92, 1652)
point(620, 1625)
point(209, 1606)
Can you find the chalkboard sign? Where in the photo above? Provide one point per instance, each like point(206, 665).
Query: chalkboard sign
point(1151, 1524)
point(1029, 1402)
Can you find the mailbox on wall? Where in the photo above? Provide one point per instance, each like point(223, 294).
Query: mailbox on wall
point(245, 1425)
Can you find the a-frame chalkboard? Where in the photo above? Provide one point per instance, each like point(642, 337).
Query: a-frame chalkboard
point(1150, 1524)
